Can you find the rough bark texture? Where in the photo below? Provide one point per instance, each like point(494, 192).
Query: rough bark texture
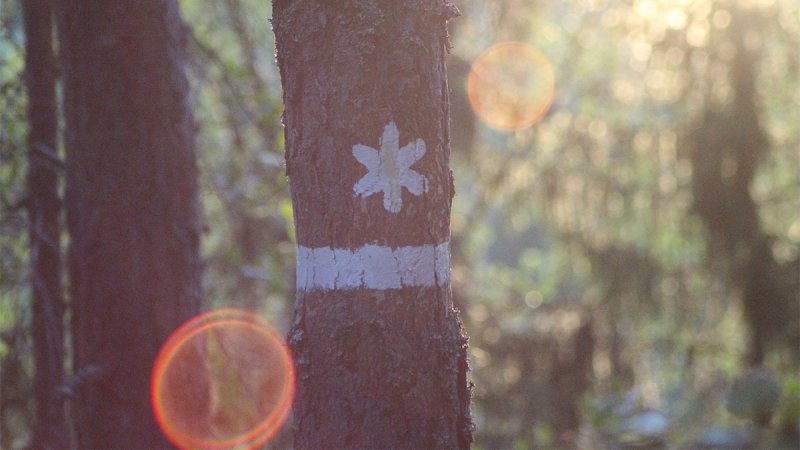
point(132, 207)
point(44, 207)
point(376, 368)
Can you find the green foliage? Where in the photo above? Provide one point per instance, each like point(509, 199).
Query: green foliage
point(789, 408)
point(16, 412)
point(248, 247)
point(606, 174)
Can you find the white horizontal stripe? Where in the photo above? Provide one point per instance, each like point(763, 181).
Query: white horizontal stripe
point(373, 267)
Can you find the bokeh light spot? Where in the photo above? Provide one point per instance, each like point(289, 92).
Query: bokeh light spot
point(224, 379)
point(510, 86)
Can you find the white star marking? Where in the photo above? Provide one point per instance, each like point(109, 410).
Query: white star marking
point(389, 170)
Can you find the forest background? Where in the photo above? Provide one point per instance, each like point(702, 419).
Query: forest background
point(627, 268)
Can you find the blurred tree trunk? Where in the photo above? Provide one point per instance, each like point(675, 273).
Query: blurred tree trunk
point(44, 208)
point(132, 207)
point(379, 350)
point(729, 145)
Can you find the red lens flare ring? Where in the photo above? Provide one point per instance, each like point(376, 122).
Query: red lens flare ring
point(510, 86)
point(224, 379)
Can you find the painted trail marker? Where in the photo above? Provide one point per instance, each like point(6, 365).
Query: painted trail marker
point(373, 267)
point(389, 169)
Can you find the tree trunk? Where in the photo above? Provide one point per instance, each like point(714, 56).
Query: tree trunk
point(728, 147)
point(132, 207)
point(44, 228)
point(379, 350)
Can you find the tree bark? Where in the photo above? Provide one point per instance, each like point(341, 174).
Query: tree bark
point(379, 350)
point(132, 207)
point(44, 228)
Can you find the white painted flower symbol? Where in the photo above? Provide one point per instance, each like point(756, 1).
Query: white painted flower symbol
point(389, 169)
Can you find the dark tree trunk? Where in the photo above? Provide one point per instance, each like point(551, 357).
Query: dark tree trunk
point(380, 354)
point(132, 207)
point(44, 207)
point(728, 147)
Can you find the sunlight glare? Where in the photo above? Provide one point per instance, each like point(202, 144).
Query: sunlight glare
point(676, 18)
point(224, 379)
point(510, 86)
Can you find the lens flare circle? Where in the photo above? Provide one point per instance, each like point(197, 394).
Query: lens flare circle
point(510, 86)
point(224, 379)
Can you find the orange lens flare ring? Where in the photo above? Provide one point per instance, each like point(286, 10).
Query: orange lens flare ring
point(224, 379)
point(511, 85)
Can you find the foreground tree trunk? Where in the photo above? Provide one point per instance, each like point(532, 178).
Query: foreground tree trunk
point(44, 208)
point(132, 207)
point(380, 354)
